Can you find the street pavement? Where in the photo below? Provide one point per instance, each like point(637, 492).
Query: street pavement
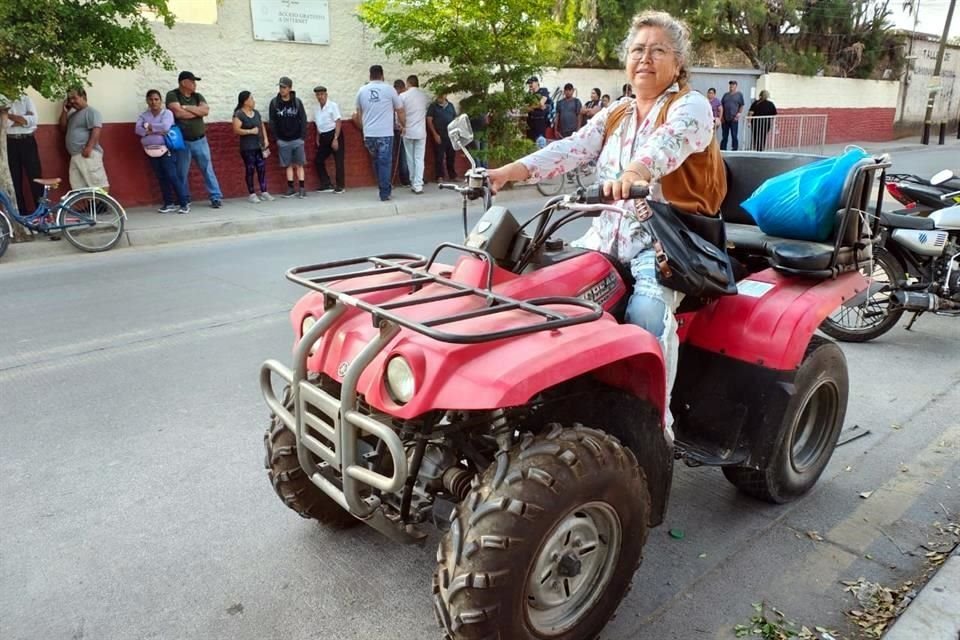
point(134, 504)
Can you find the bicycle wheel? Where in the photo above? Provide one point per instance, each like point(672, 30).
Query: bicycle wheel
point(551, 186)
point(586, 175)
point(92, 221)
point(6, 232)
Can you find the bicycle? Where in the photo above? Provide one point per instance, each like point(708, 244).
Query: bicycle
point(89, 218)
point(580, 177)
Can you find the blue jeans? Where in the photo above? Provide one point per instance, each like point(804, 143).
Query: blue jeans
point(381, 151)
point(652, 307)
point(730, 128)
point(165, 168)
point(198, 150)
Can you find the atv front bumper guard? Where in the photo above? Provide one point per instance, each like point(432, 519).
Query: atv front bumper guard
point(343, 421)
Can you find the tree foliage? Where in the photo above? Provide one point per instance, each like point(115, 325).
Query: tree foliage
point(51, 45)
point(835, 37)
point(489, 48)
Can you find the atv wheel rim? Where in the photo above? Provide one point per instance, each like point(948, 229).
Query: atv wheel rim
point(814, 428)
point(573, 568)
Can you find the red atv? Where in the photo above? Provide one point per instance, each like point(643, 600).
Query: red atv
point(503, 400)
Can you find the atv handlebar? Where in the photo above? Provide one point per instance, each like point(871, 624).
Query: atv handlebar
point(594, 194)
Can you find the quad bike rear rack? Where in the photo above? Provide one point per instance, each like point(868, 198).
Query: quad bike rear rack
point(338, 419)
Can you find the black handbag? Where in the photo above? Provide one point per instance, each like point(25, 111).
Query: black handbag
point(690, 252)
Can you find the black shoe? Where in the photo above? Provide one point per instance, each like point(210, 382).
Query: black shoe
point(326, 189)
point(216, 204)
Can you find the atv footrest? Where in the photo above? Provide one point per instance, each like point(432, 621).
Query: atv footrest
point(694, 456)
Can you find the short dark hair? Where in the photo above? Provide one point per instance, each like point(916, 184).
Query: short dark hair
point(153, 92)
point(398, 84)
point(569, 85)
point(606, 95)
point(732, 82)
point(413, 81)
point(80, 91)
point(376, 72)
point(711, 89)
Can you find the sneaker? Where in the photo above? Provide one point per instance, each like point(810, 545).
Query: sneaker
point(167, 208)
point(266, 197)
point(253, 198)
point(326, 189)
point(184, 209)
point(417, 192)
point(216, 204)
point(290, 192)
point(338, 190)
point(302, 194)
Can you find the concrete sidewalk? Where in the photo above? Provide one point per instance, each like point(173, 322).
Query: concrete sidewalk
point(893, 146)
point(935, 613)
point(145, 227)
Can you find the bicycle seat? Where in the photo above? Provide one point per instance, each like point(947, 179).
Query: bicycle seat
point(49, 182)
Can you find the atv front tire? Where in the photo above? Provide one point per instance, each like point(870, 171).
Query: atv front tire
point(292, 484)
point(809, 431)
point(546, 543)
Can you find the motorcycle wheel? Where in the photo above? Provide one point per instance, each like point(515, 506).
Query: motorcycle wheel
point(875, 317)
point(546, 544)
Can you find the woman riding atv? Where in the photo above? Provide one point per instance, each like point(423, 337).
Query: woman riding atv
point(663, 136)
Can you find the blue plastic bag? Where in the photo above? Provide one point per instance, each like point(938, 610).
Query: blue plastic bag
point(174, 139)
point(802, 203)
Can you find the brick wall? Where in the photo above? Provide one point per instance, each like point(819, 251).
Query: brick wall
point(133, 183)
point(874, 124)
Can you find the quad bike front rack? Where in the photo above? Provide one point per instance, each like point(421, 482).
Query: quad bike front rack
point(339, 420)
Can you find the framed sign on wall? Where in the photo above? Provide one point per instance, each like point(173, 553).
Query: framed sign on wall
point(304, 21)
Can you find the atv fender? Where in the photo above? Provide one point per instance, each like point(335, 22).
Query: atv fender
point(771, 320)
point(505, 373)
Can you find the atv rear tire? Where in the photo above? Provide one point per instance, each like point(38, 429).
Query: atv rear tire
point(292, 484)
point(809, 431)
point(546, 543)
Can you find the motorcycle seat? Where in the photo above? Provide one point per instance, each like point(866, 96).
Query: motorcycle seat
point(898, 221)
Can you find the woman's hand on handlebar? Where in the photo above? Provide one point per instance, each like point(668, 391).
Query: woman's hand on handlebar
point(634, 175)
point(513, 172)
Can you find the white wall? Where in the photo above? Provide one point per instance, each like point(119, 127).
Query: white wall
point(790, 91)
point(947, 104)
point(607, 80)
point(229, 60)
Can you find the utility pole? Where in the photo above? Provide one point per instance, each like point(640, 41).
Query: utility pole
point(936, 73)
point(908, 72)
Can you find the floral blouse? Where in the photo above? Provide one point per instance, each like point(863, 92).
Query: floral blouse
point(688, 129)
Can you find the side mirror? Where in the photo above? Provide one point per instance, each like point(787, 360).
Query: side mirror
point(941, 176)
point(461, 133)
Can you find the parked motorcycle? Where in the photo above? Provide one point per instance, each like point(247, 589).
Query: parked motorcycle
point(916, 268)
point(921, 196)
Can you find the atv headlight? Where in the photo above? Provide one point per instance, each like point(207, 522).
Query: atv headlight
point(306, 325)
point(400, 381)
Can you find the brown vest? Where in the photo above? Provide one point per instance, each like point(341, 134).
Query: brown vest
point(699, 184)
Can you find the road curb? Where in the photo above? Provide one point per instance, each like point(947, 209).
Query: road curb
point(935, 613)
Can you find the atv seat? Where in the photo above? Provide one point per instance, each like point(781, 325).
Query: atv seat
point(846, 250)
point(899, 221)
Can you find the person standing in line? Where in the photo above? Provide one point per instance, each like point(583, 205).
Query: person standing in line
point(569, 110)
point(592, 107)
point(605, 101)
point(327, 118)
point(760, 116)
point(715, 106)
point(288, 119)
point(82, 125)
point(376, 106)
point(189, 109)
point(537, 112)
point(400, 162)
point(151, 126)
point(732, 104)
point(626, 92)
point(254, 145)
point(415, 105)
point(22, 154)
point(439, 116)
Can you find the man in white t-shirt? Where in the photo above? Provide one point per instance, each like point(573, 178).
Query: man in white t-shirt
point(376, 107)
point(326, 116)
point(415, 104)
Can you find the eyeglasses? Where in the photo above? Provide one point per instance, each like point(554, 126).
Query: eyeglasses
point(657, 52)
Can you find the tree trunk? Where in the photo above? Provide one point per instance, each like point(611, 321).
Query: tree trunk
point(6, 181)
